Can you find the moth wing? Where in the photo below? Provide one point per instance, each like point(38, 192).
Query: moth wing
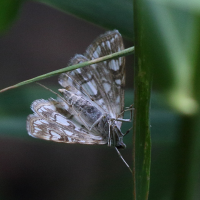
point(110, 72)
point(47, 123)
point(104, 81)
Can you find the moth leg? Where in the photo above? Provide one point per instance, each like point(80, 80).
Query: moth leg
point(130, 108)
point(114, 138)
point(125, 120)
point(120, 155)
point(109, 135)
point(127, 131)
point(121, 120)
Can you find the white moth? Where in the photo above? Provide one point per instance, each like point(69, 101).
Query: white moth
point(90, 110)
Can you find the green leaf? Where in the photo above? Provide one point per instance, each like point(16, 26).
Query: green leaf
point(171, 48)
point(192, 5)
point(8, 12)
point(110, 14)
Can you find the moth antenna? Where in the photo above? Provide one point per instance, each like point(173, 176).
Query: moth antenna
point(120, 155)
point(52, 92)
point(64, 101)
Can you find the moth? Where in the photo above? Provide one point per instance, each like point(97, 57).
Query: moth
point(90, 107)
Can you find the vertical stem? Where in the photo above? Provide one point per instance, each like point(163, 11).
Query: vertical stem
point(188, 159)
point(188, 149)
point(142, 92)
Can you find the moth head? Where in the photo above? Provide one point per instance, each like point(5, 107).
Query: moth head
point(66, 94)
point(62, 91)
point(120, 144)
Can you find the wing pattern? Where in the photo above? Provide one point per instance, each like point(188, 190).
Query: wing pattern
point(102, 83)
point(50, 123)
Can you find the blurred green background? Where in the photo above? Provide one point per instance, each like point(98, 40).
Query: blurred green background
point(43, 39)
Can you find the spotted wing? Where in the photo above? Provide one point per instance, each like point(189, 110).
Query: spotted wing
point(104, 81)
point(49, 122)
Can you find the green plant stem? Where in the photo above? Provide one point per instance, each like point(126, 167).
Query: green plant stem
point(188, 148)
point(188, 159)
point(124, 52)
point(142, 93)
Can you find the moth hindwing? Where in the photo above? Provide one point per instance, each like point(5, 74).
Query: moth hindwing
point(90, 110)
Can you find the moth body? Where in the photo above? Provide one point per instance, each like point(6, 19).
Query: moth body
point(92, 107)
point(94, 119)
